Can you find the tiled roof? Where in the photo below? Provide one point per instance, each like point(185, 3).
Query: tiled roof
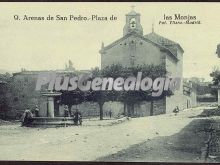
point(167, 48)
point(169, 44)
point(47, 71)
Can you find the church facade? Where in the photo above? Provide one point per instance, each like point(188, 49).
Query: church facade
point(134, 48)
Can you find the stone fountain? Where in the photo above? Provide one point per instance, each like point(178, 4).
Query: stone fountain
point(50, 119)
point(50, 101)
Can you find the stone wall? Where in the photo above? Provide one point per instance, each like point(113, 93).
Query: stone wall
point(143, 109)
point(88, 109)
point(91, 109)
point(22, 94)
point(190, 101)
point(175, 69)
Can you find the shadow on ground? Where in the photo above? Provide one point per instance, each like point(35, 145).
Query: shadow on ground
point(184, 146)
point(208, 113)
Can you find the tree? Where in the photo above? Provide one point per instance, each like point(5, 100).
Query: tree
point(215, 74)
point(130, 98)
point(4, 88)
point(152, 71)
point(100, 96)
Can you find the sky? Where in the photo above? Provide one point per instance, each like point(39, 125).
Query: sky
point(48, 45)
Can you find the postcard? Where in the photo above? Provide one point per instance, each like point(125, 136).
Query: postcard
point(110, 81)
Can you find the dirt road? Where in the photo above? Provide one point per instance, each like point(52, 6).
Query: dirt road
point(89, 142)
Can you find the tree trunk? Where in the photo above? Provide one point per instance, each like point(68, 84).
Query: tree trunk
point(5, 114)
point(151, 108)
point(125, 107)
point(130, 109)
point(69, 108)
point(101, 110)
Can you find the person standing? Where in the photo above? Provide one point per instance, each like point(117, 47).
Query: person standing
point(176, 110)
point(77, 117)
point(36, 111)
point(110, 114)
point(66, 111)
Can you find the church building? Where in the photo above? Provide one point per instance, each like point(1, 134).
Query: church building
point(134, 48)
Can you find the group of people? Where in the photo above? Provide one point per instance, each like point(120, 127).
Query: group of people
point(28, 116)
point(77, 116)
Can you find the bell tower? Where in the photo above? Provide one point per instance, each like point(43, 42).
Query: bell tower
point(133, 23)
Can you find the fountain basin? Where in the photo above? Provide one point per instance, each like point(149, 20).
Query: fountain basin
point(48, 121)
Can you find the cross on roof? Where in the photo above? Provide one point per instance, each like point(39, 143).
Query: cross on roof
point(132, 7)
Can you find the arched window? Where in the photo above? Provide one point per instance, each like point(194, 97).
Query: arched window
point(133, 23)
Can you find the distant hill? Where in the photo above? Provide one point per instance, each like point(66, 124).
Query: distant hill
point(3, 71)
